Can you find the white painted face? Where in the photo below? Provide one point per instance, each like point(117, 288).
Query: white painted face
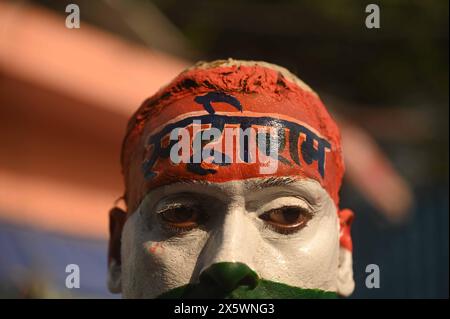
point(240, 221)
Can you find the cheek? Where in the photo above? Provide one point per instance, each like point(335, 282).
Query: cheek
point(151, 266)
point(140, 276)
point(309, 260)
point(174, 260)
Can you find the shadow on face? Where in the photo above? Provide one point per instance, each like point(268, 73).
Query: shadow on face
point(235, 239)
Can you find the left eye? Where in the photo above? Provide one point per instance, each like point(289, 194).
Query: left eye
point(181, 219)
point(287, 220)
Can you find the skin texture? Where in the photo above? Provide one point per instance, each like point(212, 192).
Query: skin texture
point(149, 256)
point(154, 260)
point(262, 93)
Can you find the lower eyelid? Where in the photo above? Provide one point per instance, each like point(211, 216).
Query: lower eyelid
point(285, 230)
point(177, 230)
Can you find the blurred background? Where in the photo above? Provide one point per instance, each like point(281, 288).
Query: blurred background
point(66, 95)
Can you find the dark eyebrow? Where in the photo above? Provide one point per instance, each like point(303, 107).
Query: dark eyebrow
point(254, 185)
point(257, 185)
point(271, 182)
point(190, 181)
point(251, 185)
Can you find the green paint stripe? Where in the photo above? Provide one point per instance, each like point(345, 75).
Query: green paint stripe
point(265, 289)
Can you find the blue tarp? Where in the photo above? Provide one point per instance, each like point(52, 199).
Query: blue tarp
point(30, 254)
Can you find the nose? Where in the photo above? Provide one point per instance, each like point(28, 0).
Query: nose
point(227, 276)
point(233, 240)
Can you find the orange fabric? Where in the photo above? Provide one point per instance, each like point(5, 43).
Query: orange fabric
point(261, 92)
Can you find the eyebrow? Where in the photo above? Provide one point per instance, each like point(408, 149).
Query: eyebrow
point(271, 182)
point(254, 184)
point(190, 181)
point(251, 185)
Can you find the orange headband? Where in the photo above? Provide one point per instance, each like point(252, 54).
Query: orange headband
point(235, 96)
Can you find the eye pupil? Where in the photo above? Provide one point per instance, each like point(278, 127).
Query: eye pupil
point(287, 219)
point(284, 216)
point(291, 215)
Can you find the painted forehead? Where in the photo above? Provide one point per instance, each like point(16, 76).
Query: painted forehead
point(256, 188)
point(234, 123)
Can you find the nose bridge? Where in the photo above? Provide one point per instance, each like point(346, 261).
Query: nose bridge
point(233, 240)
point(232, 234)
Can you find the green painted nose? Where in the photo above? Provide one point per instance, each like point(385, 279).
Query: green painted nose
point(228, 276)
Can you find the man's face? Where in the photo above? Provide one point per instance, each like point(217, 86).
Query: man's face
point(285, 230)
point(207, 216)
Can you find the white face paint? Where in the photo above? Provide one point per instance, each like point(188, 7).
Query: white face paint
point(157, 258)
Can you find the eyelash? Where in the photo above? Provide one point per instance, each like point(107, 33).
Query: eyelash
point(307, 214)
point(200, 218)
point(179, 230)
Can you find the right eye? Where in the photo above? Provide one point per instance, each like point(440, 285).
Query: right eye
point(287, 220)
point(182, 219)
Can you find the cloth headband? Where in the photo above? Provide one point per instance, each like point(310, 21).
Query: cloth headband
point(282, 114)
point(233, 120)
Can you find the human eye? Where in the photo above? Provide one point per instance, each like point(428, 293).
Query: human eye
point(181, 218)
point(287, 219)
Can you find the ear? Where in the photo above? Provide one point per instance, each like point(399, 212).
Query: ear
point(346, 284)
point(117, 218)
